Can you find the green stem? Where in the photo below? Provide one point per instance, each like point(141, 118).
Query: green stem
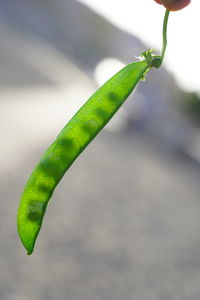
point(153, 59)
point(164, 46)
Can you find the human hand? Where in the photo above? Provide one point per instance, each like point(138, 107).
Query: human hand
point(174, 5)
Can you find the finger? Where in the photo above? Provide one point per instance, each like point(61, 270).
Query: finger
point(175, 5)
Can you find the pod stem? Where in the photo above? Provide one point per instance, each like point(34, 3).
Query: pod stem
point(164, 45)
point(155, 60)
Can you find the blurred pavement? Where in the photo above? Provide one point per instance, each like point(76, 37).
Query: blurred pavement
point(123, 223)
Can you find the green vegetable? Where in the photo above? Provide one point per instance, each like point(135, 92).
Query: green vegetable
point(72, 140)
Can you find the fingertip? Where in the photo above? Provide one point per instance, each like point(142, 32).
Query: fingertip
point(177, 5)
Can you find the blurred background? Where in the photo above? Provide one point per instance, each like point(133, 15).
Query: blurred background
point(124, 221)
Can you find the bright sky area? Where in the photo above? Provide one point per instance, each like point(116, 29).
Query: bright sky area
point(144, 18)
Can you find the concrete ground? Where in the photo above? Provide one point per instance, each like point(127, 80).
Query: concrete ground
point(124, 221)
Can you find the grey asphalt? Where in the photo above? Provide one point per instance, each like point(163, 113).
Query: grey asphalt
point(123, 223)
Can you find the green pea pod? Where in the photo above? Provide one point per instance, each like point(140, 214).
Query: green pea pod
point(71, 141)
point(74, 138)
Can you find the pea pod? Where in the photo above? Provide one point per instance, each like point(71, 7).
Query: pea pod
point(72, 140)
